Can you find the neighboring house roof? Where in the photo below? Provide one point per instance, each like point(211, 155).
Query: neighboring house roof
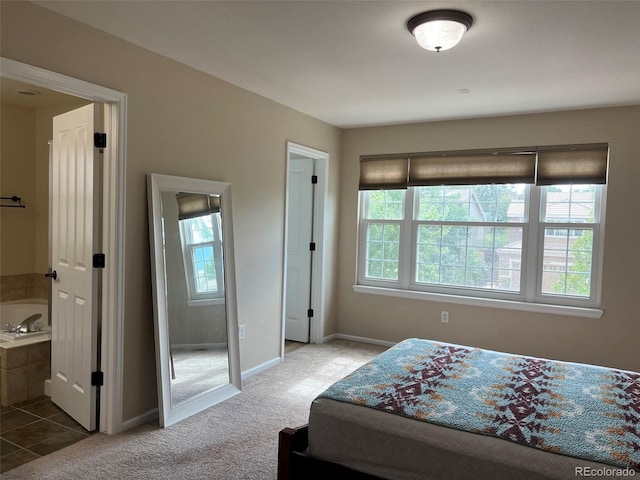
point(561, 206)
point(477, 213)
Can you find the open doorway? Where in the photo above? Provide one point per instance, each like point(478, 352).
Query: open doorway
point(304, 271)
point(111, 222)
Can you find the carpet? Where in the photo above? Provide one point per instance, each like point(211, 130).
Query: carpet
point(236, 439)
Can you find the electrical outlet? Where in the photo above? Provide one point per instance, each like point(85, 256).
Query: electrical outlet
point(444, 316)
point(241, 332)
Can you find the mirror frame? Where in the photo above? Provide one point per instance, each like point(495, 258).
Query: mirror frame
point(156, 184)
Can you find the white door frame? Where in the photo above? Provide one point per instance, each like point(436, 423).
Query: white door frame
point(318, 275)
point(113, 218)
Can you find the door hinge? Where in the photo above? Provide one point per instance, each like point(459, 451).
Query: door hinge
point(312, 246)
point(97, 379)
point(98, 260)
point(100, 140)
point(310, 313)
point(314, 179)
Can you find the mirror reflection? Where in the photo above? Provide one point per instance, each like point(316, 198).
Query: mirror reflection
point(196, 313)
point(193, 276)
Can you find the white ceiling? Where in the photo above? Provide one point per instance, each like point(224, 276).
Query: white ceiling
point(353, 63)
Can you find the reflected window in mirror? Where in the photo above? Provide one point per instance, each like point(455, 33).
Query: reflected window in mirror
point(202, 249)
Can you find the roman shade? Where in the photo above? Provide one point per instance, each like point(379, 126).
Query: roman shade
point(587, 164)
point(383, 173)
point(472, 169)
point(196, 205)
point(577, 164)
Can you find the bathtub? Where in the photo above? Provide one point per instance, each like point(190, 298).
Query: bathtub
point(25, 359)
point(15, 312)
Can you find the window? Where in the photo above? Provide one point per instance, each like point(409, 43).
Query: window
point(569, 219)
point(202, 249)
point(449, 230)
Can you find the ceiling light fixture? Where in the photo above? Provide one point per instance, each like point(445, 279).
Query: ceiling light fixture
point(439, 30)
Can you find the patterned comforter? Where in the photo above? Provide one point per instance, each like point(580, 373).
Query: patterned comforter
point(572, 409)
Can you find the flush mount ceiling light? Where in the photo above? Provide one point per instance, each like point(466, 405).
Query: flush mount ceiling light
point(439, 30)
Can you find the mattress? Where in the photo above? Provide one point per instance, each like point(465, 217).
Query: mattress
point(397, 446)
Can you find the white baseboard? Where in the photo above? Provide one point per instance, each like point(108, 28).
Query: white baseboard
point(47, 387)
point(260, 368)
point(353, 338)
point(140, 420)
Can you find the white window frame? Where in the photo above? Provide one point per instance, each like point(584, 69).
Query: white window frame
point(530, 297)
point(187, 251)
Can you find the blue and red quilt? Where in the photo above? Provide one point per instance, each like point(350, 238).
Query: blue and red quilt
point(579, 410)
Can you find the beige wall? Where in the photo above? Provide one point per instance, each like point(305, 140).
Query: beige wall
point(183, 122)
point(611, 340)
point(17, 177)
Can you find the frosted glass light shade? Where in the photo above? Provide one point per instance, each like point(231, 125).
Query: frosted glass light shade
point(439, 30)
point(439, 35)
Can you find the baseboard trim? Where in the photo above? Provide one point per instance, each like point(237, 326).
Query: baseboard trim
point(260, 368)
point(140, 419)
point(354, 338)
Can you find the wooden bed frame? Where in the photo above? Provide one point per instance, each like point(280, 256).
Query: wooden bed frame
point(294, 461)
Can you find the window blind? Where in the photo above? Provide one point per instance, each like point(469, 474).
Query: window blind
point(472, 169)
point(196, 205)
point(577, 164)
point(383, 173)
point(586, 164)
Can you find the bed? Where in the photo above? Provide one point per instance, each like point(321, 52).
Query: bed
point(433, 410)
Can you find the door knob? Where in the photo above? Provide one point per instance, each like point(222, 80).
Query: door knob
point(53, 275)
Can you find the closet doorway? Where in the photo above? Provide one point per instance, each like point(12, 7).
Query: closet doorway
point(304, 271)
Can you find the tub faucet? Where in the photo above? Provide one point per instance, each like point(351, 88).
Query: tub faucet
point(30, 324)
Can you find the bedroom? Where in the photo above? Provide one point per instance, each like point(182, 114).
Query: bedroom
point(236, 124)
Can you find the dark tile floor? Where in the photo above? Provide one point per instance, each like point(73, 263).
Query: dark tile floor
point(34, 428)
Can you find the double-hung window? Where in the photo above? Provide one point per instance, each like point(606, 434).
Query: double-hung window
point(525, 226)
point(200, 235)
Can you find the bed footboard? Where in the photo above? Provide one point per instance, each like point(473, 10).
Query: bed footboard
point(295, 463)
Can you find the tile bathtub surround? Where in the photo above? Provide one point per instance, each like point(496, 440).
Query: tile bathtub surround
point(23, 371)
point(20, 287)
point(35, 428)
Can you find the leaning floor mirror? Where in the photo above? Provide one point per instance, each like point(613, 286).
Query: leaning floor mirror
point(193, 277)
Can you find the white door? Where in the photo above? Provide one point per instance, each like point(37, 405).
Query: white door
point(299, 238)
point(74, 238)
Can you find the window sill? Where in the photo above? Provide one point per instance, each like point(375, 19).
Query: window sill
point(483, 302)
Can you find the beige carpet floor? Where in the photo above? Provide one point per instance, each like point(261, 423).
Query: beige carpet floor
point(236, 439)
